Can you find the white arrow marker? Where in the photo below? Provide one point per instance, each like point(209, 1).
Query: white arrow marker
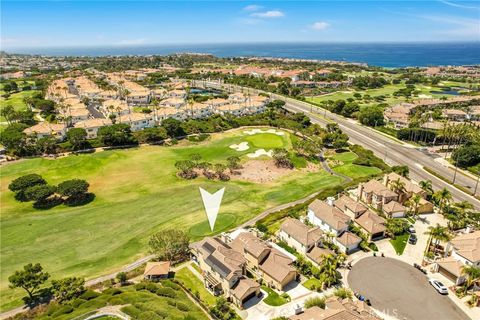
point(211, 202)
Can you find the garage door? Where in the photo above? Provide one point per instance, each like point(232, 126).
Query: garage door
point(447, 274)
point(251, 295)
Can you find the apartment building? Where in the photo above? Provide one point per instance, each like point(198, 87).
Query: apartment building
point(329, 218)
point(46, 129)
point(91, 126)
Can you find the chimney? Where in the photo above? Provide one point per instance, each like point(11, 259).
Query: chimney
point(330, 201)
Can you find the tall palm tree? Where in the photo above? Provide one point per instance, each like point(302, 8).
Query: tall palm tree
point(438, 233)
point(328, 270)
point(472, 274)
point(414, 204)
point(442, 197)
point(397, 186)
point(426, 186)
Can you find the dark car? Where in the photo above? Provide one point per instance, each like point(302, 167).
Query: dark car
point(412, 239)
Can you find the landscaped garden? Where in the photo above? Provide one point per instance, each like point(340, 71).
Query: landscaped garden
point(134, 189)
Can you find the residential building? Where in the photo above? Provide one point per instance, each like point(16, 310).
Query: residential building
point(156, 270)
point(173, 103)
point(91, 126)
point(223, 270)
point(114, 107)
point(264, 261)
point(234, 109)
point(349, 206)
point(372, 224)
point(46, 129)
point(454, 114)
point(463, 250)
point(299, 236)
point(169, 112)
point(375, 194)
point(137, 121)
point(198, 110)
point(393, 209)
point(338, 309)
point(329, 218)
point(348, 242)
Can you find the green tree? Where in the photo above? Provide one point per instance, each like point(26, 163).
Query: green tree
point(281, 158)
point(233, 163)
point(77, 137)
point(396, 227)
point(472, 275)
point(67, 289)
point(170, 245)
point(116, 135)
point(371, 116)
point(315, 302)
point(26, 181)
point(438, 233)
point(401, 170)
point(47, 145)
point(150, 135)
point(173, 127)
point(29, 279)
point(39, 192)
point(8, 112)
point(121, 277)
point(442, 198)
point(14, 140)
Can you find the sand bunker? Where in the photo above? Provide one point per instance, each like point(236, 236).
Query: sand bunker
point(259, 153)
point(260, 171)
point(257, 131)
point(424, 96)
point(242, 146)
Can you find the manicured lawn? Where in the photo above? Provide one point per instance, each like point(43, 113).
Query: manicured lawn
point(350, 169)
point(399, 243)
point(145, 303)
point(273, 298)
point(16, 101)
point(312, 284)
point(265, 141)
point(137, 194)
point(192, 282)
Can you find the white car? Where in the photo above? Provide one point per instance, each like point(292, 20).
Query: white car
point(438, 286)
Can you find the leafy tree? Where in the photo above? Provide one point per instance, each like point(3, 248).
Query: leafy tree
point(47, 145)
point(39, 192)
point(233, 162)
point(14, 140)
point(170, 245)
point(472, 274)
point(371, 116)
point(77, 137)
point(396, 226)
point(281, 158)
point(150, 135)
point(222, 310)
point(116, 135)
point(173, 127)
point(73, 188)
point(438, 233)
point(8, 112)
point(121, 277)
point(30, 279)
point(67, 289)
point(467, 156)
point(401, 170)
point(186, 169)
point(26, 181)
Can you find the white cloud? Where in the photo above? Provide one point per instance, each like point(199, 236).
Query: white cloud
point(461, 27)
point(252, 7)
point(320, 25)
point(268, 14)
point(132, 41)
point(452, 4)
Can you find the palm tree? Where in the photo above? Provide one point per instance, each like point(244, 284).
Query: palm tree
point(328, 270)
point(472, 274)
point(439, 233)
point(426, 186)
point(414, 204)
point(397, 186)
point(442, 198)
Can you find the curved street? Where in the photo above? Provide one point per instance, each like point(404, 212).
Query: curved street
point(399, 290)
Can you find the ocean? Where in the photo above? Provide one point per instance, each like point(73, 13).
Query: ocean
point(377, 54)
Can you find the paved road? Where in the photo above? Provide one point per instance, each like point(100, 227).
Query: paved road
point(391, 151)
point(399, 290)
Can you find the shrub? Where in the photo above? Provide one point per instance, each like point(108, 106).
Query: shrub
point(170, 284)
point(77, 302)
point(149, 315)
point(182, 307)
point(64, 309)
point(24, 182)
point(140, 286)
point(343, 293)
point(116, 301)
point(112, 291)
point(315, 302)
point(89, 295)
point(132, 311)
point(166, 292)
point(152, 287)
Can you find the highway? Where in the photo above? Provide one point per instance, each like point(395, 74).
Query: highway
point(391, 151)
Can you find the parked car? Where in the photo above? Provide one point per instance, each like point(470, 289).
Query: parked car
point(411, 229)
point(412, 239)
point(438, 286)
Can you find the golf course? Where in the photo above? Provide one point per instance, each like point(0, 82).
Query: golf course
point(138, 193)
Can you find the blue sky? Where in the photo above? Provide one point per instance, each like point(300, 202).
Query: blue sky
point(95, 23)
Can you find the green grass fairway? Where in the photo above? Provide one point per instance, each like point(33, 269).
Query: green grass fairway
point(16, 101)
point(265, 141)
point(137, 193)
point(353, 170)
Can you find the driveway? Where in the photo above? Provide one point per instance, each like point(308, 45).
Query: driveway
point(399, 290)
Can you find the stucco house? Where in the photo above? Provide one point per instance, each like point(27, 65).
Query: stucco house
point(329, 218)
point(298, 235)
